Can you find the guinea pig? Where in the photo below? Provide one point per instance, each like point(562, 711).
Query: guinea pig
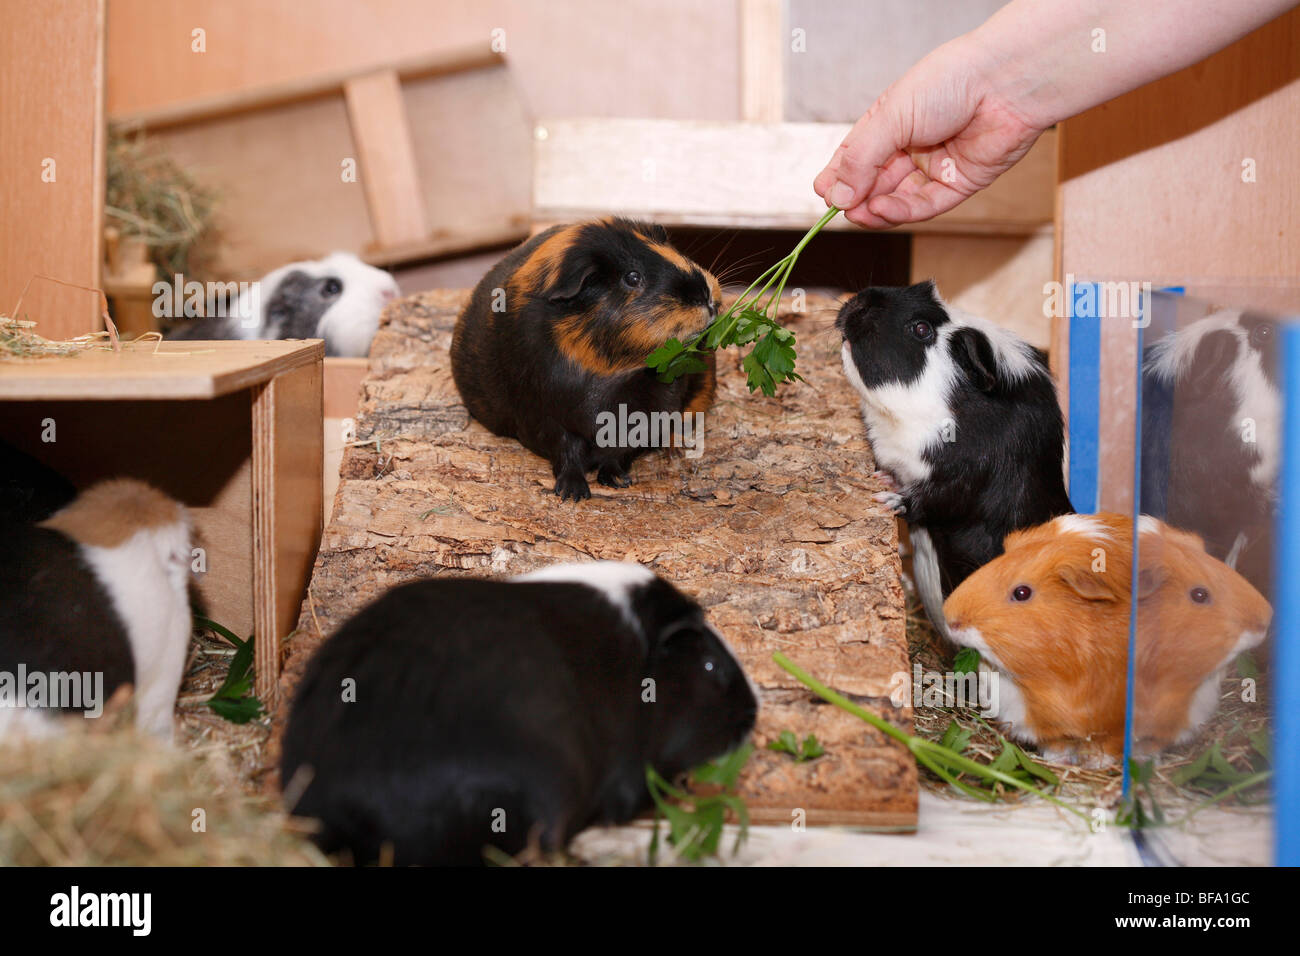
point(98, 588)
point(450, 715)
point(338, 299)
point(555, 338)
point(1212, 411)
point(29, 490)
point(964, 421)
point(1050, 617)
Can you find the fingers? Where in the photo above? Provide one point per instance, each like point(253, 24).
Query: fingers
point(849, 176)
point(916, 198)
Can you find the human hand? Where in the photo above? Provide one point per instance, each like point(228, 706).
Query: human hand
point(945, 130)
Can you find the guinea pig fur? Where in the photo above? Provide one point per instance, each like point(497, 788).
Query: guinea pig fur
point(558, 332)
point(100, 587)
point(964, 420)
point(338, 299)
point(1212, 412)
point(506, 713)
point(1051, 617)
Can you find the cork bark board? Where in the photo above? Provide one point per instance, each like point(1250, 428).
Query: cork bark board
point(772, 528)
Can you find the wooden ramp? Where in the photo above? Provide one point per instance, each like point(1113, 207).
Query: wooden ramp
point(772, 528)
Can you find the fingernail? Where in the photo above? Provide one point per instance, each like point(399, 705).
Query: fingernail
point(841, 195)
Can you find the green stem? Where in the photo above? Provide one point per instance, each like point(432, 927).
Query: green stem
point(925, 751)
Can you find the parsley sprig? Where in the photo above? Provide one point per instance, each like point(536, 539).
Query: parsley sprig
point(751, 318)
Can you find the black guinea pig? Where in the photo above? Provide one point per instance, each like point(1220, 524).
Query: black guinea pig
point(450, 715)
point(338, 299)
point(963, 418)
point(94, 597)
point(555, 337)
point(1211, 432)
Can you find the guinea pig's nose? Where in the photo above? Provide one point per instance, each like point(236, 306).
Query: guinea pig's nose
point(713, 308)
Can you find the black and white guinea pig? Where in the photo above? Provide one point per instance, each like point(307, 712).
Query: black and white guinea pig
point(964, 421)
point(100, 587)
point(338, 299)
point(1211, 420)
point(450, 715)
point(558, 332)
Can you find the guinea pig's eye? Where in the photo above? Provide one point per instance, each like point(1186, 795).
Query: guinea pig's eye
point(331, 287)
point(1261, 335)
point(924, 331)
point(710, 665)
point(1200, 595)
point(632, 279)
point(1022, 592)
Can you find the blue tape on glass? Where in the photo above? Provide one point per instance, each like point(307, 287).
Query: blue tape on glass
point(1085, 392)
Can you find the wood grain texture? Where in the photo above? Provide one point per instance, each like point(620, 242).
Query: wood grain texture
point(157, 370)
point(52, 162)
point(752, 175)
point(773, 529)
point(762, 60)
point(568, 56)
point(387, 160)
point(1152, 189)
point(287, 512)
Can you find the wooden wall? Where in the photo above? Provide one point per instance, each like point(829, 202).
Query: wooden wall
point(1152, 189)
point(51, 108)
point(654, 58)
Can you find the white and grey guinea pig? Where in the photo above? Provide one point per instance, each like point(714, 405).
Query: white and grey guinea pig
point(1211, 419)
point(98, 588)
point(450, 715)
point(964, 421)
point(338, 299)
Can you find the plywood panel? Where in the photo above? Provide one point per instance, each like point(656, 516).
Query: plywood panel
point(999, 278)
point(756, 175)
point(279, 175)
point(152, 369)
point(287, 455)
point(51, 109)
point(567, 55)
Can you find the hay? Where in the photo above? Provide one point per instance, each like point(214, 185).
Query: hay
point(152, 198)
point(95, 799)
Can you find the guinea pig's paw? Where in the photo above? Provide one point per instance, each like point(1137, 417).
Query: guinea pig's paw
point(611, 476)
point(572, 487)
point(891, 500)
point(886, 479)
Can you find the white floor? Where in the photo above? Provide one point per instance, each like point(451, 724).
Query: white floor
point(955, 832)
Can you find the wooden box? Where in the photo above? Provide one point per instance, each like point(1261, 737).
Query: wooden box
point(230, 429)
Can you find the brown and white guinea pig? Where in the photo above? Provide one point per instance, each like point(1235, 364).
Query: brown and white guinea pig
point(450, 715)
point(98, 588)
point(963, 420)
point(558, 332)
point(1051, 617)
point(1211, 440)
point(338, 299)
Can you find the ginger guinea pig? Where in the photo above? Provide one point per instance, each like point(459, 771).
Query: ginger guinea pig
point(1051, 617)
point(453, 714)
point(557, 333)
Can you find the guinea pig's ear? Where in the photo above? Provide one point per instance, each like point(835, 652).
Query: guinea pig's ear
point(1091, 585)
point(1150, 578)
point(1213, 360)
point(973, 353)
point(571, 280)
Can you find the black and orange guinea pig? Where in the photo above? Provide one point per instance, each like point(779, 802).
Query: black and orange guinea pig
point(558, 332)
